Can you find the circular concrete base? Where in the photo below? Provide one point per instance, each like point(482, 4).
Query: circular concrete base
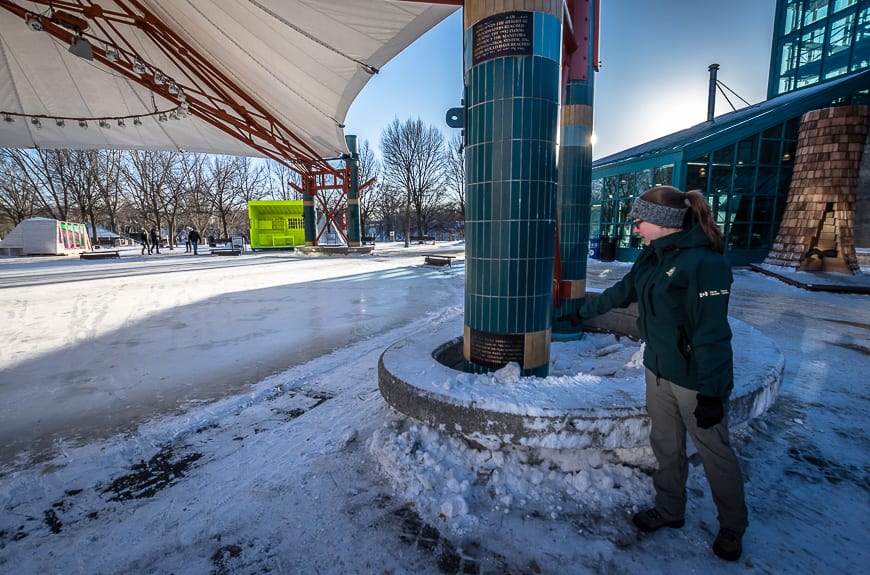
point(422, 378)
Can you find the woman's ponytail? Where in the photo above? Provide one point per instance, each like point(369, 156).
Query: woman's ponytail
point(700, 213)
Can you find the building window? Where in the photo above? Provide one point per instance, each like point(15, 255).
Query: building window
point(696, 176)
point(724, 155)
point(810, 57)
point(597, 184)
point(861, 48)
point(788, 66)
point(663, 175)
point(720, 179)
point(766, 183)
point(747, 151)
point(719, 205)
point(643, 181)
point(837, 57)
point(793, 15)
point(770, 151)
point(840, 4)
point(815, 11)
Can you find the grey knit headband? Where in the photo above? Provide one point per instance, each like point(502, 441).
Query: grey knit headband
point(657, 214)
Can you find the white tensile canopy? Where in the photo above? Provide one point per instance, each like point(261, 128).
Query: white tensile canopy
point(276, 76)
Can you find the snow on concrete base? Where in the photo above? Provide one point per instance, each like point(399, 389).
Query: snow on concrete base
point(593, 398)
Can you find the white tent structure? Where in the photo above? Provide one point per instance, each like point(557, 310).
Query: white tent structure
point(45, 236)
point(269, 78)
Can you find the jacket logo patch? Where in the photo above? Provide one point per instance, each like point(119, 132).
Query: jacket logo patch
point(671, 271)
point(713, 292)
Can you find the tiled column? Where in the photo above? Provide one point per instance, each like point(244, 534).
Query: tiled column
point(309, 217)
point(575, 169)
point(512, 51)
point(352, 187)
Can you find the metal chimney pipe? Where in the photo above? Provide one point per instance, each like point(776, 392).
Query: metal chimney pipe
point(711, 97)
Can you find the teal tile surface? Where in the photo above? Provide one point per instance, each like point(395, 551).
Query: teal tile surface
point(512, 111)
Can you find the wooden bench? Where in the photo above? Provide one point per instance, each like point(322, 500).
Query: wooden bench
point(437, 259)
point(370, 240)
point(423, 239)
point(100, 255)
point(226, 252)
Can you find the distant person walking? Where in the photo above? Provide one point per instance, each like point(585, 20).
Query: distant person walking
point(193, 239)
point(155, 239)
point(681, 283)
point(143, 237)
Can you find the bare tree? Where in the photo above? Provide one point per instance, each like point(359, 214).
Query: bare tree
point(455, 172)
point(149, 175)
point(389, 208)
point(197, 199)
point(253, 180)
point(278, 179)
point(76, 173)
point(173, 196)
point(53, 200)
point(226, 192)
point(17, 193)
point(414, 161)
point(369, 169)
point(109, 165)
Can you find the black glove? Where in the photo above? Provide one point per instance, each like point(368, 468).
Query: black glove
point(709, 411)
point(574, 317)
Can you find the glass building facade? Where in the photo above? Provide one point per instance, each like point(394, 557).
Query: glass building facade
point(742, 161)
point(817, 41)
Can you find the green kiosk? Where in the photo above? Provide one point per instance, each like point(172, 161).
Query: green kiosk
point(276, 224)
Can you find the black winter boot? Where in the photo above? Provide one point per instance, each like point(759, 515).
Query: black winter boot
point(650, 520)
point(728, 544)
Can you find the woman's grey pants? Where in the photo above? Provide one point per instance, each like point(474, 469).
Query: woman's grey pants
point(672, 411)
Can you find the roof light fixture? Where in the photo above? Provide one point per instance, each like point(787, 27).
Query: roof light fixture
point(112, 54)
point(81, 48)
point(138, 66)
point(33, 22)
point(104, 122)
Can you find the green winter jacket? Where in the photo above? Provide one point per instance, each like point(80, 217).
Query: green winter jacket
point(682, 288)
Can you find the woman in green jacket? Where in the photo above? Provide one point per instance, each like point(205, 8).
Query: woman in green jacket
point(681, 284)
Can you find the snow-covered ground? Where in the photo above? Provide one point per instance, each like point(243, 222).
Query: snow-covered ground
point(179, 414)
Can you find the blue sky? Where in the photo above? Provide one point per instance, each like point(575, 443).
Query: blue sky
point(653, 78)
